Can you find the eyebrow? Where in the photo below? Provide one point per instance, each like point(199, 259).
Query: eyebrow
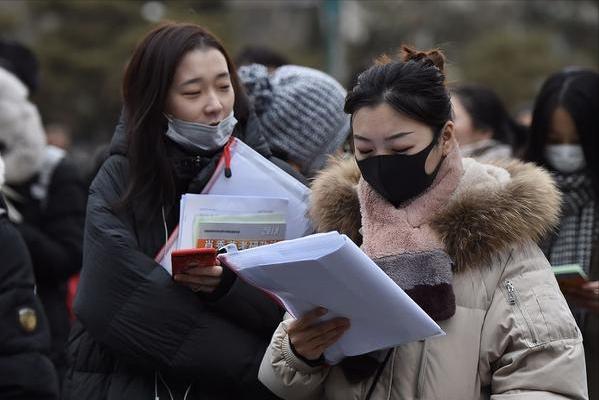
point(200, 79)
point(387, 139)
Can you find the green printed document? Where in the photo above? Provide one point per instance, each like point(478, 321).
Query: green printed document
point(256, 186)
point(208, 220)
point(245, 230)
point(570, 274)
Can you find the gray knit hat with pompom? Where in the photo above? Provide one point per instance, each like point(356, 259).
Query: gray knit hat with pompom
point(300, 110)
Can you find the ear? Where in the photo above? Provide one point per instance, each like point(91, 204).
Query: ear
point(447, 138)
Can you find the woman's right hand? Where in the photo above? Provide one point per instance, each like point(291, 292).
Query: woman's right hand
point(311, 338)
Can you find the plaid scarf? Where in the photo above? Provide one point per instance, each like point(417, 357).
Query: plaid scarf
point(578, 229)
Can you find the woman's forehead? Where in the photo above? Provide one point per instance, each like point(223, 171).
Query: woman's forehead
point(201, 65)
point(382, 120)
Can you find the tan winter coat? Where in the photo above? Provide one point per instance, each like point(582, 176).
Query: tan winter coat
point(512, 336)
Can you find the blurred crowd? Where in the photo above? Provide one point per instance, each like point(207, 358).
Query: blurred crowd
point(66, 337)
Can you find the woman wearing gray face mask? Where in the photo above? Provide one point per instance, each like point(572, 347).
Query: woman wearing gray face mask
point(142, 334)
point(565, 139)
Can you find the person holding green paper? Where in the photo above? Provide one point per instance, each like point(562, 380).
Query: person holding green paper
point(564, 138)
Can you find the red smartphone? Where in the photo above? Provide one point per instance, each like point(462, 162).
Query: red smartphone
point(182, 260)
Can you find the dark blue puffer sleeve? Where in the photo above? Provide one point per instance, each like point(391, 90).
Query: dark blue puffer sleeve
point(128, 303)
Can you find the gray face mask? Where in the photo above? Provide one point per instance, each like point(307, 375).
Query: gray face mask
point(198, 137)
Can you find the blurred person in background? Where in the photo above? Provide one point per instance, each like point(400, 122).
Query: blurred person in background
point(58, 135)
point(97, 158)
point(260, 55)
point(458, 236)
point(26, 371)
point(484, 129)
point(141, 333)
point(20, 61)
point(524, 115)
point(301, 112)
point(46, 201)
point(565, 139)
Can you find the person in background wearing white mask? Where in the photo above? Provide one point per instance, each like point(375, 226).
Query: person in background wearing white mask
point(564, 138)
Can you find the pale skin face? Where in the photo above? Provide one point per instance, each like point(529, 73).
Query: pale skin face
point(378, 130)
point(562, 129)
point(201, 91)
point(465, 132)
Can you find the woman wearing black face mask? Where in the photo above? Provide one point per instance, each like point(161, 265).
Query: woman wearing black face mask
point(565, 139)
point(141, 334)
point(458, 236)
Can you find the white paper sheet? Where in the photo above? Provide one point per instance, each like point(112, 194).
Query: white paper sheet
point(329, 270)
point(253, 175)
point(241, 207)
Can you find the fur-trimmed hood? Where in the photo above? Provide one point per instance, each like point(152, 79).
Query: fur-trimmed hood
point(21, 131)
point(494, 207)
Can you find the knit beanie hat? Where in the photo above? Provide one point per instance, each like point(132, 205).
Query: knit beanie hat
point(300, 110)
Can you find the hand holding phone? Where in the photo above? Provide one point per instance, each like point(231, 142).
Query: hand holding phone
point(197, 269)
point(182, 260)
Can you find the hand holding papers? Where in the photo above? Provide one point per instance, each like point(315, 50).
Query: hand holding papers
point(329, 270)
point(575, 285)
point(570, 275)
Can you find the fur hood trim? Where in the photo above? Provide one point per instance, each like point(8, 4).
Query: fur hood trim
point(334, 201)
point(21, 131)
point(507, 203)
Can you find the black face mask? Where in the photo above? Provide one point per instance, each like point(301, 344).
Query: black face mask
point(399, 177)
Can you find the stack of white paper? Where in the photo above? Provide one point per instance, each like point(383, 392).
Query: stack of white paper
point(226, 219)
point(329, 270)
point(252, 175)
point(214, 221)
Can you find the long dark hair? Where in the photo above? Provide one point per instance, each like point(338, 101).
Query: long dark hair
point(147, 80)
point(487, 112)
point(414, 86)
point(577, 91)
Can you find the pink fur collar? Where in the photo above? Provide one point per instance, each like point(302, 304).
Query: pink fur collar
point(388, 230)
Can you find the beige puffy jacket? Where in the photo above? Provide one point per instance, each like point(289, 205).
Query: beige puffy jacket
point(512, 336)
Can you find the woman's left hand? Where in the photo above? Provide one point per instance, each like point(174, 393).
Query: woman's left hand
point(591, 289)
point(201, 279)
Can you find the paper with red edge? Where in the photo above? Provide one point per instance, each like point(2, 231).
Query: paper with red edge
point(253, 175)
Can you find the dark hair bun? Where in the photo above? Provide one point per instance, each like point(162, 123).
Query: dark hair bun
point(412, 82)
point(432, 57)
